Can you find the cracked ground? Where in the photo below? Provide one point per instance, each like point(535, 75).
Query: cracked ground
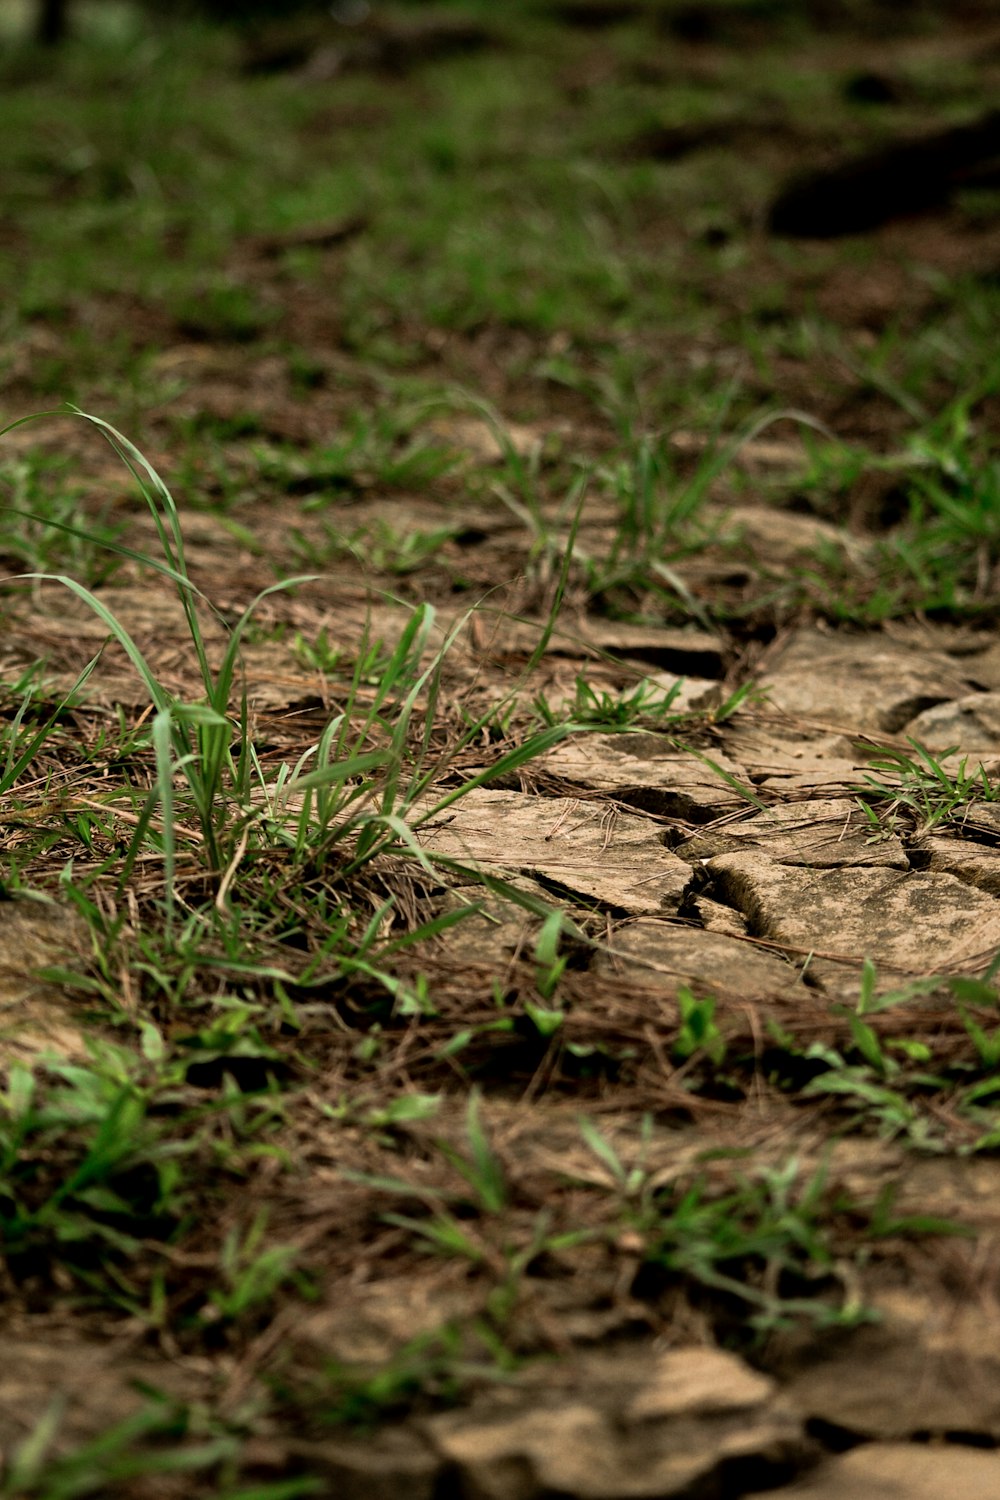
point(501, 784)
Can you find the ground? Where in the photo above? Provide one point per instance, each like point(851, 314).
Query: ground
point(500, 735)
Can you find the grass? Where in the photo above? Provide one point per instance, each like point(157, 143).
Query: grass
point(303, 1042)
point(925, 787)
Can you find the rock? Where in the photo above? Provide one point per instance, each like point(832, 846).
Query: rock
point(698, 1382)
point(823, 834)
point(524, 1455)
point(634, 1428)
point(858, 683)
point(900, 1471)
point(714, 917)
point(930, 1365)
point(795, 764)
point(491, 937)
point(982, 820)
point(714, 961)
point(915, 922)
point(815, 778)
point(370, 1324)
point(581, 848)
point(982, 667)
point(973, 864)
point(779, 538)
point(968, 725)
point(646, 771)
point(683, 652)
point(36, 1017)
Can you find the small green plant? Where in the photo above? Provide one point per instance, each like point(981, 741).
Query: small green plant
point(377, 449)
point(360, 790)
point(634, 1182)
point(698, 1033)
point(432, 1370)
point(550, 964)
point(380, 548)
point(647, 702)
point(252, 1272)
point(922, 785)
point(47, 525)
point(774, 1242)
point(160, 1439)
point(769, 1243)
point(84, 1165)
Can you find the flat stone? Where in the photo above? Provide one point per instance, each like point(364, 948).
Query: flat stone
point(815, 779)
point(698, 1382)
point(968, 725)
point(824, 833)
point(36, 1017)
point(900, 1471)
point(665, 1428)
point(930, 1365)
point(582, 848)
point(370, 1323)
point(691, 956)
point(982, 819)
point(499, 929)
point(794, 762)
point(68, 628)
point(780, 538)
point(767, 745)
point(482, 441)
point(683, 652)
point(646, 771)
point(973, 864)
point(859, 682)
point(519, 1457)
point(913, 922)
point(714, 917)
point(983, 667)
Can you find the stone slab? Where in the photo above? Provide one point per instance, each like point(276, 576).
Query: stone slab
point(635, 1429)
point(901, 1471)
point(968, 725)
point(861, 683)
point(823, 833)
point(645, 770)
point(582, 848)
point(36, 1017)
point(913, 922)
point(670, 954)
point(973, 864)
point(782, 539)
point(683, 652)
point(931, 1365)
